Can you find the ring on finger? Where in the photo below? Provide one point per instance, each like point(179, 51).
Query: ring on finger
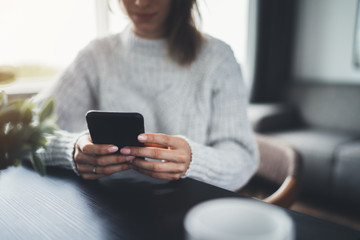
point(94, 170)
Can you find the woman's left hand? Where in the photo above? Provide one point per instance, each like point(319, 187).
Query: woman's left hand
point(173, 152)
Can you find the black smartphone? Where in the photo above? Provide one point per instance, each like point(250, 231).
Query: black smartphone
point(117, 128)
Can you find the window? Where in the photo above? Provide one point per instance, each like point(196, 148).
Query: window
point(357, 38)
point(39, 38)
point(227, 20)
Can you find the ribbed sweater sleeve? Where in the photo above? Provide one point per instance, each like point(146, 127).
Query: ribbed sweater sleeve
point(60, 149)
point(229, 157)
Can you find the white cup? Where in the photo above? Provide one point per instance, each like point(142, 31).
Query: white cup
point(236, 218)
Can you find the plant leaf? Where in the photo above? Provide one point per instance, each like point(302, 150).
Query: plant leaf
point(27, 113)
point(3, 99)
point(17, 162)
point(37, 164)
point(47, 110)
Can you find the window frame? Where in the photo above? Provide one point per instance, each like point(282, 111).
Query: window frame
point(356, 54)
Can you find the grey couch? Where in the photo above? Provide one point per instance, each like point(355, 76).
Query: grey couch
point(322, 122)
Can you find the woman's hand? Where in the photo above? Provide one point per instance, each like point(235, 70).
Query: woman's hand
point(94, 161)
point(174, 153)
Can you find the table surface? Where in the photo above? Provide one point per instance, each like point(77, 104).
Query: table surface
point(123, 206)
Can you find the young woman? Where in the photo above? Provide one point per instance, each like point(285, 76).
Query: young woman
point(188, 86)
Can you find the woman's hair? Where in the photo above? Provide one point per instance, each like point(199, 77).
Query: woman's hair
point(183, 38)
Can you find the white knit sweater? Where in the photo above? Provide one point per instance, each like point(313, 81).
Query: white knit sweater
point(205, 102)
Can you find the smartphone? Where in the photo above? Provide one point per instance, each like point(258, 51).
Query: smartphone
point(117, 128)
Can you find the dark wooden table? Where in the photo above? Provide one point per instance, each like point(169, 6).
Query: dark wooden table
point(123, 206)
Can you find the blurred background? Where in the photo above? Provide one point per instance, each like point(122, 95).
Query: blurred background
point(300, 60)
point(39, 38)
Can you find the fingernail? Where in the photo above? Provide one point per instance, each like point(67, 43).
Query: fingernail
point(125, 151)
point(129, 158)
point(142, 137)
point(113, 149)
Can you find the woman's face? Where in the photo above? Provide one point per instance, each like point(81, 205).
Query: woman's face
point(148, 16)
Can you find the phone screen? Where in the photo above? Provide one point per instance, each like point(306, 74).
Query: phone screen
point(117, 128)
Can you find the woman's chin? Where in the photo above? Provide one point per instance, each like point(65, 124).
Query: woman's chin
point(146, 31)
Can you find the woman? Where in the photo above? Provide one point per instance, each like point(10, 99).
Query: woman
point(188, 87)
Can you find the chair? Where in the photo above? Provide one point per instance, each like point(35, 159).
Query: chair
point(277, 179)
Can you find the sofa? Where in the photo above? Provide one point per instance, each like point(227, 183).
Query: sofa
point(321, 121)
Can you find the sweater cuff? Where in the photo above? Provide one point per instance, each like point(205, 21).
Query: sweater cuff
point(195, 167)
point(60, 150)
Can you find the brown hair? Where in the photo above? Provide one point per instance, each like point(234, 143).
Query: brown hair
point(183, 38)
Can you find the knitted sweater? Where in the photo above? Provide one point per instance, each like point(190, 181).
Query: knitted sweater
point(205, 102)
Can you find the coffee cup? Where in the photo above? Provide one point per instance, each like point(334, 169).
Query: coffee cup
point(237, 218)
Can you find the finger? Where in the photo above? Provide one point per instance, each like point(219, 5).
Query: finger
point(112, 159)
point(86, 146)
point(160, 175)
point(92, 172)
point(161, 139)
point(82, 158)
point(160, 167)
point(155, 145)
point(87, 169)
point(150, 152)
point(111, 169)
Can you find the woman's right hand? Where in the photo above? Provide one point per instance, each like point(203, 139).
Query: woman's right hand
point(94, 161)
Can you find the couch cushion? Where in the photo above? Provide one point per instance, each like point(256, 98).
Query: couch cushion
point(347, 171)
point(317, 148)
point(332, 106)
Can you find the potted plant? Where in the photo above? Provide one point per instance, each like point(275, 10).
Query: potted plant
point(23, 131)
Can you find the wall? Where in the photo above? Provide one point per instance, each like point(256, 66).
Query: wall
point(325, 41)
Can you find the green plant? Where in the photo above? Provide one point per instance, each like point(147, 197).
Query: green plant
point(23, 131)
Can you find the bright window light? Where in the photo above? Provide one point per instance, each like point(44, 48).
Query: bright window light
point(41, 37)
point(46, 32)
point(227, 20)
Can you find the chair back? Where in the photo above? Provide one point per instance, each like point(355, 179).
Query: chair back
point(277, 179)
